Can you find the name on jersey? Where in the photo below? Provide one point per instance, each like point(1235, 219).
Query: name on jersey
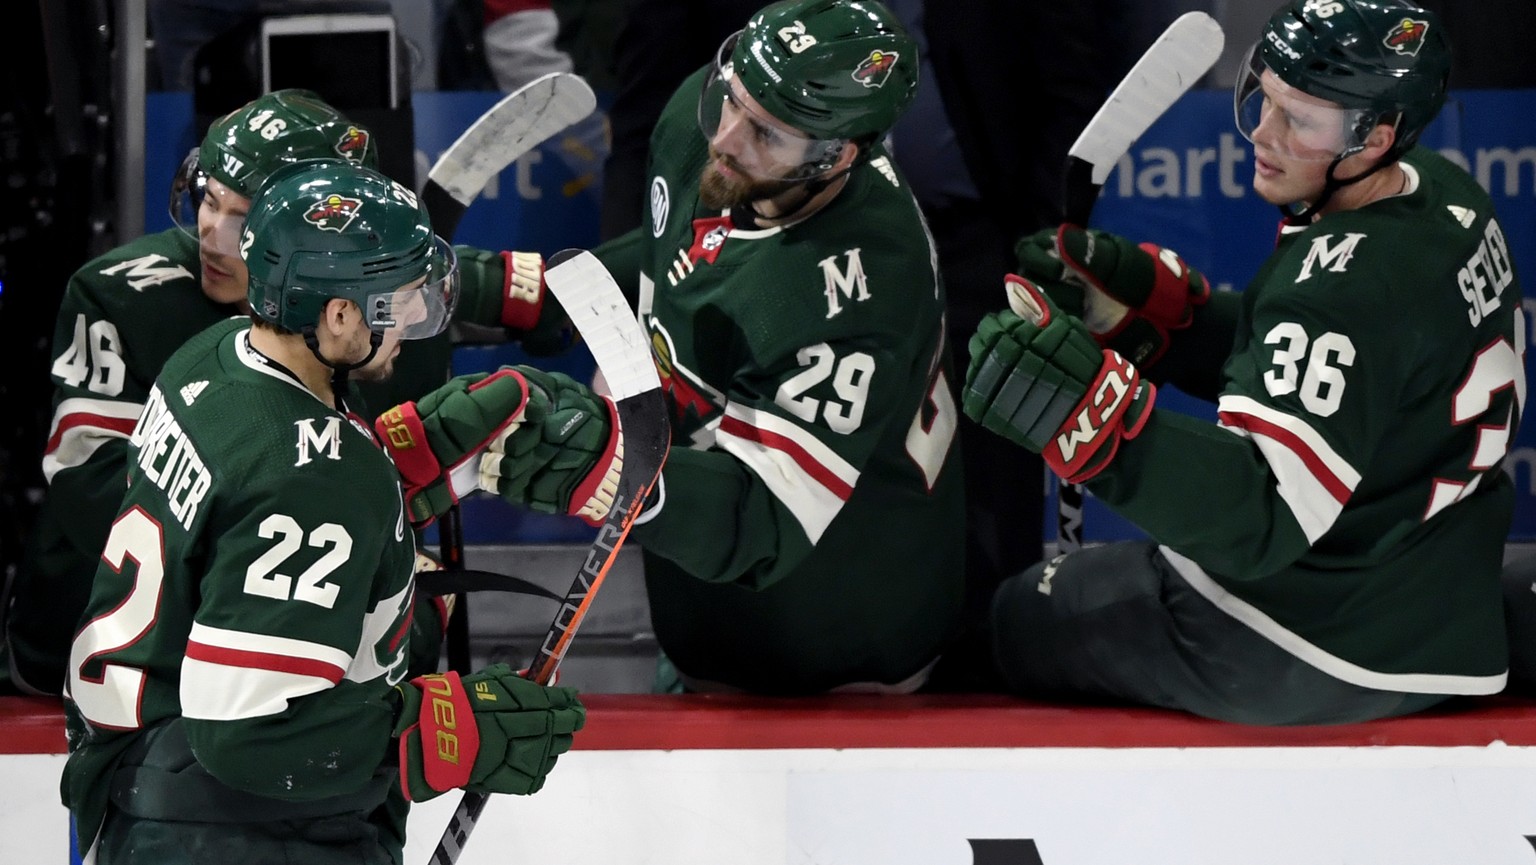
point(1486, 274)
point(167, 458)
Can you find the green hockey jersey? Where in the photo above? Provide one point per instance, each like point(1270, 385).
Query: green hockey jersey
point(812, 529)
point(121, 317)
point(254, 591)
point(1352, 504)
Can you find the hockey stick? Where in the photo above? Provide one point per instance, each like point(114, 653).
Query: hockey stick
point(597, 307)
point(1174, 62)
point(519, 122)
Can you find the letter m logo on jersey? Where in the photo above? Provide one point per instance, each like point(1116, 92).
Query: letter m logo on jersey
point(141, 273)
point(843, 282)
point(1328, 255)
point(325, 442)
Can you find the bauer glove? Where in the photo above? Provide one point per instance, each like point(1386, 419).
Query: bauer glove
point(436, 441)
point(1038, 379)
point(523, 302)
point(1130, 296)
point(488, 732)
point(566, 455)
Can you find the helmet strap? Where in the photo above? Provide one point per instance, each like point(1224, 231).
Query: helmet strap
point(808, 189)
point(339, 371)
point(1332, 184)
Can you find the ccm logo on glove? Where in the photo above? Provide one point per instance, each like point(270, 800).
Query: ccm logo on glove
point(1117, 378)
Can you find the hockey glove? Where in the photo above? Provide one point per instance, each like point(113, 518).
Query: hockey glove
point(489, 732)
point(435, 441)
point(1038, 379)
point(1130, 297)
point(566, 455)
point(523, 303)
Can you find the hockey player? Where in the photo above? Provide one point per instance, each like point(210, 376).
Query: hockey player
point(239, 691)
point(124, 313)
point(1329, 550)
point(809, 533)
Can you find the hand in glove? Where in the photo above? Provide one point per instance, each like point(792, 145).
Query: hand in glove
point(488, 732)
point(1130, 296)
point(436, 441)
point(1038, 379)
point(524, 303)
point(566, 455)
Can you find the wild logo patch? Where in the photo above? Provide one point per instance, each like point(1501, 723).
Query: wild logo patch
point(353, 144)
point(1407, 37)
point(876, 68)
point(335, 213)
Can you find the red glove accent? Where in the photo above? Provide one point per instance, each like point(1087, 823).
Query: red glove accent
point(1173, 291)
point(593, 497)
point(1086, 443)
point(450, 738)
point(520, 306)
point(405, 438)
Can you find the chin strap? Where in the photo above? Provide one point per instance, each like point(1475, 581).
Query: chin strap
point(809, 189)
point(1331, 184)
point(339, 371)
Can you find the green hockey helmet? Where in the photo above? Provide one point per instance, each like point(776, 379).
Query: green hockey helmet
point(327, 228)
point(1382, 61)
point(246, 145)
point(835, 70)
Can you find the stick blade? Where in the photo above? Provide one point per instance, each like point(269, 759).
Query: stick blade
point(1174, 62)
point(521, 121)
point(602, 316)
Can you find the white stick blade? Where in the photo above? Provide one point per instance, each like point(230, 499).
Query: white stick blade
point(1175, 61)
point(597, 307)
point(521, 121)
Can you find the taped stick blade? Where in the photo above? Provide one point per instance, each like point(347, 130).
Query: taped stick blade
point(1174, 62)
point(602, 316)
point(521, 121)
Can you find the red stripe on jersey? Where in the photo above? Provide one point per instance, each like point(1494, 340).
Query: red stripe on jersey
point(808, 464)
point(79, 419)
point(1319, 469)
point(264, 661)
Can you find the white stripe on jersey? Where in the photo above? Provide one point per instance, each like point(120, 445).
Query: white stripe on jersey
point(1314, 481)
point(1333, 665)
point(80, 426)
point(228, 675)
point(808, 477)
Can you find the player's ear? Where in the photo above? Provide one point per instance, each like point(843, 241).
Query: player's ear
point(1379, 140)
point(337, 315)
point(846, 156)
